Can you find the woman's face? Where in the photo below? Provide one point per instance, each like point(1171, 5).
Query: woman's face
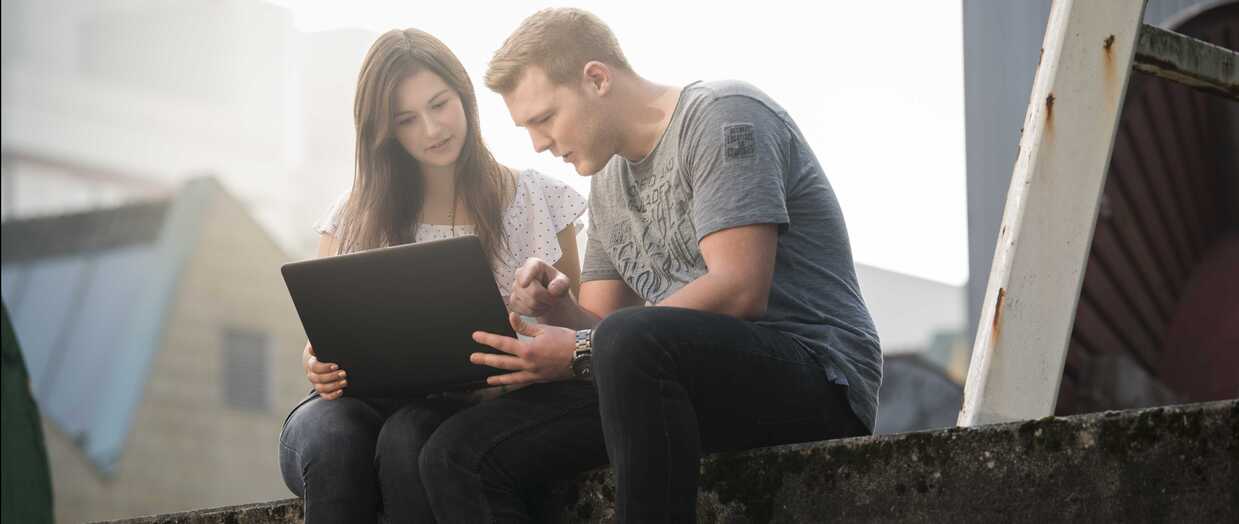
point(430, 119)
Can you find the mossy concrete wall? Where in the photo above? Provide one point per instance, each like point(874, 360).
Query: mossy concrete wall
point(1176, 464)
point(1170, 464)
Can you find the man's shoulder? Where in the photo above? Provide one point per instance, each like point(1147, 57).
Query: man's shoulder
point(723, 88)
point(708, 105)
point(711, 92)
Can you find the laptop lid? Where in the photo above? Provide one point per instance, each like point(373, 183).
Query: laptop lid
point(400, 319)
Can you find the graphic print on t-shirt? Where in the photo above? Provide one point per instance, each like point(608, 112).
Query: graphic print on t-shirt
point(667, 256)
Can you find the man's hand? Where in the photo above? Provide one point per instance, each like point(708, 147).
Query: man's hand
point(546, 358)
point(539, 287)
point(327, 378)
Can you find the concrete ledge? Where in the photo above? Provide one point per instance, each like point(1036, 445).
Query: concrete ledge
point(1162, 464)
point(279, 511)
point(1178, 463)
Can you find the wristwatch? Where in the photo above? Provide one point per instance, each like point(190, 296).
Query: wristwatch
point(582, 355)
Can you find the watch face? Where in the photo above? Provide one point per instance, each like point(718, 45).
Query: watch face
point(580, 366)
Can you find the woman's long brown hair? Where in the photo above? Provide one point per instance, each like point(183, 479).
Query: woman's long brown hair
point(386, 200)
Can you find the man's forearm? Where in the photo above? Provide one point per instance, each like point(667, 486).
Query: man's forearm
point(571, 315)
point(719, 294)
point(710, 292)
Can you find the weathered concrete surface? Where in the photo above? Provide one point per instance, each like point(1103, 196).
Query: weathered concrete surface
point(1177, 464)
point(1171, 464)
point(279, 511)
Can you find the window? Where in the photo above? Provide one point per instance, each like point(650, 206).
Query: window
point(246, 369)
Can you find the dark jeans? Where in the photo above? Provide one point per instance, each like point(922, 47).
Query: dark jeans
point(669, 385)
point(340, 455)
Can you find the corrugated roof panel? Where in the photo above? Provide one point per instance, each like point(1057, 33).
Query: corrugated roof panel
point(92, 312)
point(10, 279)
point(40, 304)
point(73, 316)
point(100, 335)
point(1164, 219)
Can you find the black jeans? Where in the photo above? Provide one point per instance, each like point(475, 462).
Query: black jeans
point(669, 385)
point(340, 455)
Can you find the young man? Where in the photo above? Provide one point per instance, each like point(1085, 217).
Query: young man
point(707, 203)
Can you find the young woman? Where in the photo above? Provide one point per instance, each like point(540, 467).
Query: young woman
point(422, 173)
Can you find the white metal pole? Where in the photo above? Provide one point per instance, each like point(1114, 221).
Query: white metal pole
point(1047, 225)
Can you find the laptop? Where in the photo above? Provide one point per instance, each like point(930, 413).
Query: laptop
point(399, 320)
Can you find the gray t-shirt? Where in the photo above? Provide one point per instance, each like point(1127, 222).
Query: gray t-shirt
point(733, 157)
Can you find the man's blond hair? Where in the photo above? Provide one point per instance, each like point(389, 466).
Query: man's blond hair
point(558, 40)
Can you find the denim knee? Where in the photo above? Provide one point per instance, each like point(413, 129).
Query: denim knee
point(444, 452)
point(336, 437)
point(403, 436)
point(629, 339)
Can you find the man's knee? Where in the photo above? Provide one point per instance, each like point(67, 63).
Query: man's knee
point(632, 337)
point(446, 452)
point(459, 451)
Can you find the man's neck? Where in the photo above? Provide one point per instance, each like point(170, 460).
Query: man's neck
point(648, 111)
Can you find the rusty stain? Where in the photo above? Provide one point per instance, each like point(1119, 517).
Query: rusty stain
point(1111, 82)
point(1049, 107)
point(996, 328)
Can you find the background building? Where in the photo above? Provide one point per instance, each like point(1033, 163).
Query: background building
point(924, 357)
point(1158, 318)
point(162, 362)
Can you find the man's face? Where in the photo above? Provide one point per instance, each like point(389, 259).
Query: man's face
point(565, 119)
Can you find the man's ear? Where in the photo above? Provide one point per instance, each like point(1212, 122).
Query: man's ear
point(596, 78)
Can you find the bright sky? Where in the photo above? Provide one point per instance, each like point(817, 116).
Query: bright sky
point(876, 87)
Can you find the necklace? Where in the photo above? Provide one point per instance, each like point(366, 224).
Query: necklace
point(451, 211)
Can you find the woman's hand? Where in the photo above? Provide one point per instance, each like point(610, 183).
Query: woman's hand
point(327, 378)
